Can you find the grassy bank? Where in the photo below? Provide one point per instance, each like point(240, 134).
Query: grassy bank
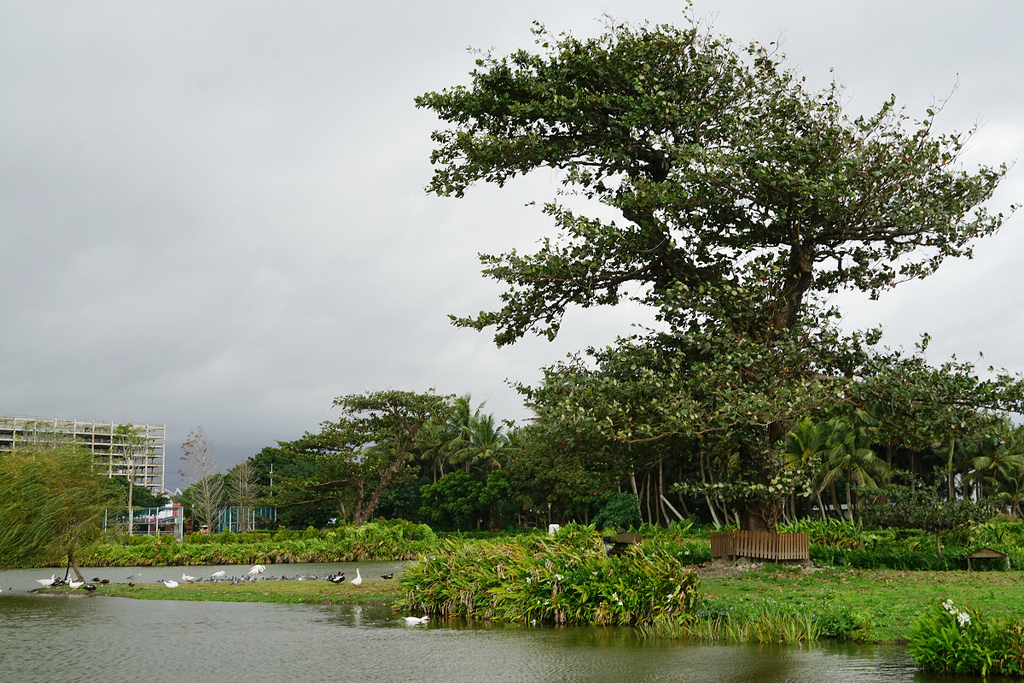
point(881, 604)
point(320, 592)
point(870, 605)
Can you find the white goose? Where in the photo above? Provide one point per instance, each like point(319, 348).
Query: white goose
point(359, 579)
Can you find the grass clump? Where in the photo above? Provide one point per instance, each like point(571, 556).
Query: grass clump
point(564, 579)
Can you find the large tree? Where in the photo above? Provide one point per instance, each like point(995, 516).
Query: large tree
point(52, 504)
point(358, 455)
point(705, 177)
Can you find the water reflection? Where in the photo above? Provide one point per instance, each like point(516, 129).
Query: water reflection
point(97, 638)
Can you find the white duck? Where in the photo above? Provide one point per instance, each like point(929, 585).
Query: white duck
point(171, 584)
point(412, 621)
point(47, 582)
point(75, 584)
point(359, 578)
point(187, 578)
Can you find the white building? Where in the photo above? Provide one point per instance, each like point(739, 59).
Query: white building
point(99, 437)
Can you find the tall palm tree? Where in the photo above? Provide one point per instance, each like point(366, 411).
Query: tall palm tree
point(851, 459)
point(805, 449)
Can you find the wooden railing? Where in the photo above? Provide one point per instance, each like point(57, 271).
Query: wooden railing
point(760, 545)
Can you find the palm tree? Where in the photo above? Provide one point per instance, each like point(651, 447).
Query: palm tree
point(1012, 493)
point(1000, 454)
point(805, 448)
point(850, 457)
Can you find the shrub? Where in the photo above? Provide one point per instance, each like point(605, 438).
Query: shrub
point(948, 640)
point(566, 579)
point(620, 510)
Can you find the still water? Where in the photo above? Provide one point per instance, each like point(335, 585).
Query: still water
point(96, 638)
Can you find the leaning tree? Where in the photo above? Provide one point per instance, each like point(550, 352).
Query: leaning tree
point(52, 504)
point(699, 171)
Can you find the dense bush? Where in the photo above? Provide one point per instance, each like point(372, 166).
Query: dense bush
point(565, 578)
point(619, 510)
point(381, 540)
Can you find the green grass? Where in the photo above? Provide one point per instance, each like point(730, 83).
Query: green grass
point(890, 599)
point(292, 592)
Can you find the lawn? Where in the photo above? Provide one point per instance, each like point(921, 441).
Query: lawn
point(891, 599)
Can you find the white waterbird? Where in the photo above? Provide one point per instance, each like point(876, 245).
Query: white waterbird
point(412, 621)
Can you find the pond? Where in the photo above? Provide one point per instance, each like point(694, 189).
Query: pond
point(95, 638)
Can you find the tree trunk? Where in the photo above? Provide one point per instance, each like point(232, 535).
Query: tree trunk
point(131, 511)
point(752, 520)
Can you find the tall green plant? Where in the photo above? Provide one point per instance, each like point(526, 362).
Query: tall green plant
point(52, 505)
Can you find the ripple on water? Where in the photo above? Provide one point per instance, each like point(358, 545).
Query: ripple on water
point(83, 638)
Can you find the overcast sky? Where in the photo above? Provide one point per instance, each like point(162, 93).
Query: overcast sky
point(213, 212)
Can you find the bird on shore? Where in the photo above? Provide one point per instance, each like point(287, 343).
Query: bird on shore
point(359, 578)
point(412, 621)
point(389, 575)
point(336, 578)
point(189, 579)
point(89, 587)
point(99, 580)
point(75, 584)
point(131, 579)
point(171, 584)
point(219, 574)
point(47, 582)
point(256, 571)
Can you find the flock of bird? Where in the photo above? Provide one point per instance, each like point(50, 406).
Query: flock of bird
point(74, 585)
point(221, 575)
point(253, 574)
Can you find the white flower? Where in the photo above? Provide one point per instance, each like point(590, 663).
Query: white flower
point(963, 618)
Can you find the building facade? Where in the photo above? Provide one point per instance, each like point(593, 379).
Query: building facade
point(145, 452)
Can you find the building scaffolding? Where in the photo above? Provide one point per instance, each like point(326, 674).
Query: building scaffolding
point(110, 449)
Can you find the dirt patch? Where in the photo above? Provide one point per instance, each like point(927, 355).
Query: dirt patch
point(723, 567)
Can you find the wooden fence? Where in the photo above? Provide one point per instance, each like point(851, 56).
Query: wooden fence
point(760, 545)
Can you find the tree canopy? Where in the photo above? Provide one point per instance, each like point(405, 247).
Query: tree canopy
point(356, 456)
point(723, 167)
point(720, 190)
